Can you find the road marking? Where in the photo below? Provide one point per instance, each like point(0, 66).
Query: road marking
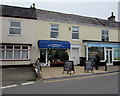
point(27, 83)
point(8, 86)
point(52, 81)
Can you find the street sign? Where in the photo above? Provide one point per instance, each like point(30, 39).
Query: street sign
point(68, 66)
point(88, 66)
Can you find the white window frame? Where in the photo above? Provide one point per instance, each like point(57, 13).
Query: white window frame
point(13, 52)
point(54, 31)
point(15, 27)
point(76, 33)
point(104, 35)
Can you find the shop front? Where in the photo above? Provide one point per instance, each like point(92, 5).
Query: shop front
point(53, 53)
point(108, 51)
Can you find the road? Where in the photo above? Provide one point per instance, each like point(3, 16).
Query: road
point(102, 84)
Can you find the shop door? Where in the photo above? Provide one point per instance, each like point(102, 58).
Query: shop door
point(75, 55)
point(109, 57)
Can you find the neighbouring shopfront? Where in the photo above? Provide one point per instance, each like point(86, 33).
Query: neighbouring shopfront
point(109, 52)
point(53, 52)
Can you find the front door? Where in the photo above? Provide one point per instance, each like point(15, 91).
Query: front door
point(75, 55)
point(109, 57)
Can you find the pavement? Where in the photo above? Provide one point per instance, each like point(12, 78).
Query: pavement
point(57, 72)
point(18, 75)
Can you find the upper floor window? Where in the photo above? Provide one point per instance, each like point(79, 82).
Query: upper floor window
point(105, 35)
point(75, 32)
point(14, 27)
point(54, 31)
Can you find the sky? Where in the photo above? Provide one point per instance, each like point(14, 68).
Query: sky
point(89, 8)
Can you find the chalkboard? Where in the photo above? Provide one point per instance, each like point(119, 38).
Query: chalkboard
point(88, 65)
point(68, 66)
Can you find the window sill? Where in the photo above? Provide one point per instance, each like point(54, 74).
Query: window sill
point(54, 38)
point(17, 60)
point(14, 34)
point(75, 40)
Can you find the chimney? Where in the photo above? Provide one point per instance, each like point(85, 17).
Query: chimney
point(112, 17)
point(33, 6)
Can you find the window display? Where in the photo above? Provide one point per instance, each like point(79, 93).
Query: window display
point(53, 55)
point(57, 55)
point(14, 52)
point(93, 50)
point(116, 53)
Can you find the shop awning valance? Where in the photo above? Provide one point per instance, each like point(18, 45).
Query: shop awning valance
point(102, 45)
point(53, 44)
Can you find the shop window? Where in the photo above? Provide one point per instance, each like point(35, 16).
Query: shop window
point(75, 32)
point(1, 52)
point(43, 55)
point(9, 52)
point(57, 55)
point(14, 52)
point(15, 27)
point(93, 50)
point(54, 31)
point(116, 53)
point(105, 35)
point(24, 54)
point(17, 54)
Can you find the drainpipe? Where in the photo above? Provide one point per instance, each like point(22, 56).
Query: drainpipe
point(46, 57)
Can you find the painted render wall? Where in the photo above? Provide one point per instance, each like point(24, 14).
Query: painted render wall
point(34, 30)
point(86, 32)
point(28, 35)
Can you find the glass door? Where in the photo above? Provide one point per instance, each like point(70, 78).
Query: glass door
point(109, 57)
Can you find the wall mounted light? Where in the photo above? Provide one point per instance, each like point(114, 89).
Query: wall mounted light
point(69, 28)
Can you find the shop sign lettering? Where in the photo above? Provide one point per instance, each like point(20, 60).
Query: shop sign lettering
point(102, 45)
point(55, 45)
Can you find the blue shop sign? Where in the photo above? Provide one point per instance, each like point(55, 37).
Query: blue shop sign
point(53, 44)
point(102, 45)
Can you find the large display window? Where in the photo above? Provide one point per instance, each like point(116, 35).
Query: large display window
point(53, 55)
point(116, 53)
point(93, 50)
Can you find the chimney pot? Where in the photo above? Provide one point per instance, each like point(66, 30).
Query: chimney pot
point(33, 5)
point(112, 17)
point(112, 14)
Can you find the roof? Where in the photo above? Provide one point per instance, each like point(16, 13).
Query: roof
point(20, 12)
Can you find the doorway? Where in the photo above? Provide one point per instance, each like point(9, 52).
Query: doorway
point(75, 55)
point(109, 57)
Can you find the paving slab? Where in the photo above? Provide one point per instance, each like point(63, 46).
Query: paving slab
point(57, 72)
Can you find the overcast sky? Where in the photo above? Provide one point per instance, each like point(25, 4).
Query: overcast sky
point(90, 8)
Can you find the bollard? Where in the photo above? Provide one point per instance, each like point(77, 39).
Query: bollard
point(105, 65)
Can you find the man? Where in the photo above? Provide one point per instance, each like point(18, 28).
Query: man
point(97, 60)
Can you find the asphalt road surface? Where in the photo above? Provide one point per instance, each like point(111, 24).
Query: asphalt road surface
point(102, 84)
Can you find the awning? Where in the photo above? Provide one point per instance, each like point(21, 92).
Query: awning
point(53, 44)
point(89, 44)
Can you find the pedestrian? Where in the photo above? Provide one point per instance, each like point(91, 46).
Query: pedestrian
point(97, 60)
point(66, 56)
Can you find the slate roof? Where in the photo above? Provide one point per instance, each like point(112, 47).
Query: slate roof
point(20, 12)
